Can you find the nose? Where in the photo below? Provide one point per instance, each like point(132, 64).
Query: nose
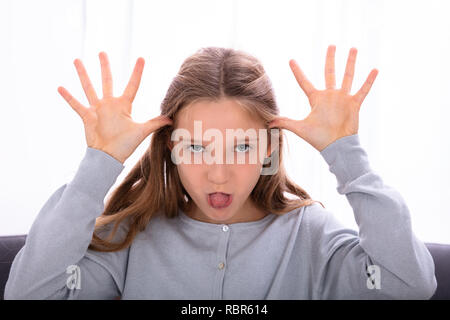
point(218, 173)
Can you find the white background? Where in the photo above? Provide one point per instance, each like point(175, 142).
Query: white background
point(404, 121)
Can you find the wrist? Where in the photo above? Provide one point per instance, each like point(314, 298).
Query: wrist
point(110, 153)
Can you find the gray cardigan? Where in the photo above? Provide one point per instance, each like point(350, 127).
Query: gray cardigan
point(304, 254)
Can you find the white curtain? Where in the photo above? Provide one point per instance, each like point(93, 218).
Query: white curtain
point(403, 121)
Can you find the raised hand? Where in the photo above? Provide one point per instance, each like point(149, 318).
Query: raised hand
point(107, 122)
point(334, 112)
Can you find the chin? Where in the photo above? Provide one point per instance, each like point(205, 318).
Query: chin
point(217, 215)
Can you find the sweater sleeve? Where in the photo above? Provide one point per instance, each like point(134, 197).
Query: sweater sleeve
point(385, 260)
point(55, 262)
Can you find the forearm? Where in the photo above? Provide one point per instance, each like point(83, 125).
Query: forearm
point(382, 216)
point(62, 231)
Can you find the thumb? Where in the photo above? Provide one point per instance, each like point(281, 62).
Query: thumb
point(295, 126)
point(155, 123)
point(282, 123)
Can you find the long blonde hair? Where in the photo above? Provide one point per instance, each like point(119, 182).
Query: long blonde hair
point(153, 186)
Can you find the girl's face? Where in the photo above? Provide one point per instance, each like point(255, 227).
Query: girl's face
point(202, 177)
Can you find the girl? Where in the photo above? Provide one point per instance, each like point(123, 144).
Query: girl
point(214, 230)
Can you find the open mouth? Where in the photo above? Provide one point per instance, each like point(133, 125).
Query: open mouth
point(219, 200)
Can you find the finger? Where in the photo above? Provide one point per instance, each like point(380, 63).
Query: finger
point(304, 83)
point(295, 126)
point(282, 123)
point(133, 85)
point(74, 103)
point(330, 78)
point(106, 75)
point(349, 71)
point(156, 123)
point(85, 82)
point(362, 93)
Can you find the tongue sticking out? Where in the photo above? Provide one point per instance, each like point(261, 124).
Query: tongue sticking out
point(219, 199)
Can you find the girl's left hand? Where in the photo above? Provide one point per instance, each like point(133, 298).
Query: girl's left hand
point(334, 112)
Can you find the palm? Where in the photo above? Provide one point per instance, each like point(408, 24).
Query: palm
point(332, 111)
point(110, 120)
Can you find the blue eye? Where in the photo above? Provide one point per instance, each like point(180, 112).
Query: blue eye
point(241, 150)
point(196, 148)
point(195, 145)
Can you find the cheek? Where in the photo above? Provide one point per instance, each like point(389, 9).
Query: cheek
point(190, 176)
point(247, 176)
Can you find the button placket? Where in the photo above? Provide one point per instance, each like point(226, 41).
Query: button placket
point(221, 261)
point(221, 264)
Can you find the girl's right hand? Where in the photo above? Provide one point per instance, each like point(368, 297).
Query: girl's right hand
point(108, 124)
